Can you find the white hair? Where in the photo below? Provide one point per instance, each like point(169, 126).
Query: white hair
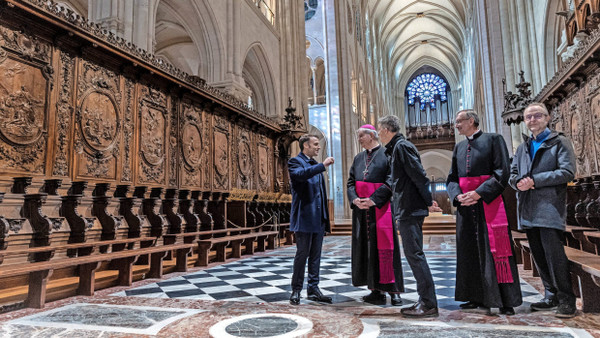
point(369, 131)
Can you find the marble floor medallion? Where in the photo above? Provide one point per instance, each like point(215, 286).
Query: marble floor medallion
point(272, 325)
point(105, 317)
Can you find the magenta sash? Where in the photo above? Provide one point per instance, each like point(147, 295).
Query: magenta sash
point(385, 232)
point(497, 226)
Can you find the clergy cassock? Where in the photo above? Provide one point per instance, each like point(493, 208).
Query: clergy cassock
point(375, 246)
point(486, 271)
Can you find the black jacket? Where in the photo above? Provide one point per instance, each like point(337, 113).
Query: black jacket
point(410, 185)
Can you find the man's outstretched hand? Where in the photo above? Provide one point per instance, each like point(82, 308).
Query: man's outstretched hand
point(328, 161)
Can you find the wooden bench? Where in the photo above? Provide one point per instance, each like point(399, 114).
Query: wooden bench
point(40, 272)
point(189, 237)
point(594, 238)
point(518, 237)
point(572, 235)
point(220, 245)
point(576, 235)
point(528, 263)
point(286, 233)
point(586, 266)
point(82, 249)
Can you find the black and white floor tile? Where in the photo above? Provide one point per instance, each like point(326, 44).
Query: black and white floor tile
point(263, 279)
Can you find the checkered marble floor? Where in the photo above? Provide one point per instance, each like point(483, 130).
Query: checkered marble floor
point(261, 279)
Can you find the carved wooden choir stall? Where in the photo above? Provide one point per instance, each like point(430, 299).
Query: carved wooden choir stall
point(116, 166)
point(573, 98)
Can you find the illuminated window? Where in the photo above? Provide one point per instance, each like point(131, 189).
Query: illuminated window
point(310, 9)
point(426, 88)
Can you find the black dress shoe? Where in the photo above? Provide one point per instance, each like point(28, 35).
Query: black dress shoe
point(469, 305)
point(375, 298)
point(396, 300)
point(545, 304)
point(566, 310)
point(295, 298)
point(509, 311)
point(419, 310)
point(316, 295)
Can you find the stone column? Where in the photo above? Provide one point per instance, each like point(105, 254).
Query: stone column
point(492, 67)
point(132, 20)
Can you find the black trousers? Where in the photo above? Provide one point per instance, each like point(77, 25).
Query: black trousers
point(411, 231)
point(308, 246)
point(548, 252)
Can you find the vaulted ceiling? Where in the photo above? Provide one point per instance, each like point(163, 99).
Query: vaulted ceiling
point(416, 33)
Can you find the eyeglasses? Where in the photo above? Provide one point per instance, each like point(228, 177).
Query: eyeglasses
point(535, 116)
point(457, 121)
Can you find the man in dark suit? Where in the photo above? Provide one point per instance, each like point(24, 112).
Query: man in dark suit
point(309, 217)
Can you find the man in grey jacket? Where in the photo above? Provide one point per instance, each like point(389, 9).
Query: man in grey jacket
point(540, 171)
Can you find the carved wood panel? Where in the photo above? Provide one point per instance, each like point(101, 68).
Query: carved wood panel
point(265, 163)
point(221, 160)
point(192, 146)
point(577, 117)
point(206, 149)
point(244, 154)
point(128, 131)
point(71, 110)
point(153, 131)
point(64, 115)
point(26, 79)
point(173, 140)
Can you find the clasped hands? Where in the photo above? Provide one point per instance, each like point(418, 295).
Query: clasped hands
point(468, 198)
point(363, 203)
point(525, 184)
point(366, 203)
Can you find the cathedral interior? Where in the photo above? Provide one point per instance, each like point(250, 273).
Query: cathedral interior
point(144, 187)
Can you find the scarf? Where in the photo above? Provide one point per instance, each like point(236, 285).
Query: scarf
point(384, 233)
point(497, 226)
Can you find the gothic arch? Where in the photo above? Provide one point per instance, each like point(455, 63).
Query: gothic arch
point(437, 160)
point(406, 73)
point(187, 35)
point(553, 27)
point(258, 77)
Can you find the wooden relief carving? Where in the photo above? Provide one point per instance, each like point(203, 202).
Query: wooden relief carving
point(173, 141)
point(109, 124)
point(98, 123)
point(126, 174)
point(221, 158)
point(192, 147)
point(206, 117)
point(63, 117)
point(595, 113)
point(153, 136)
point(577, 117)
point(264, 164)
point(25, 83)
point(244, 155)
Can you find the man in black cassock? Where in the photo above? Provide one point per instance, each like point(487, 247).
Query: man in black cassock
point(486, 271)
point(376, 258)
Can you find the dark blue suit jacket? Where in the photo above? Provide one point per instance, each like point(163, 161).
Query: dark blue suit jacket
point(309, 197)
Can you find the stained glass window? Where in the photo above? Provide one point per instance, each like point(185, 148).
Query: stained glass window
point(427, 87)
point(310, 9)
